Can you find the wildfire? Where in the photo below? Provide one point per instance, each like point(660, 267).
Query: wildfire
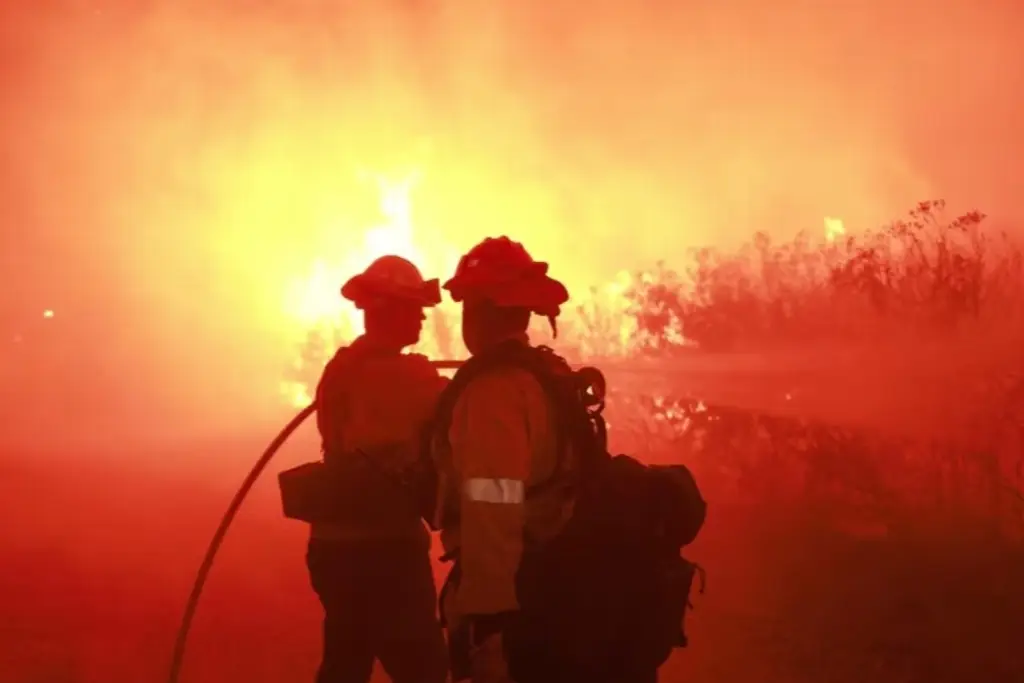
point(315, 300)
point(834, 229)
point(324, 318)
point(599, 324)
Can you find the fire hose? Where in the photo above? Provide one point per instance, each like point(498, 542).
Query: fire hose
point(649, 373)
point(192, 604)
point(218, 538)
point(706, 376)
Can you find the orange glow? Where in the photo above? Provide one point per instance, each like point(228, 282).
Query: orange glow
point(186, 185)
point(315, 299)
point(224, 164)
point(598, 323)
point(313, 303)
point(834, 229)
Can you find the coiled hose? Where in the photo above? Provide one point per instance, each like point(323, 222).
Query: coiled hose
point(218, 538)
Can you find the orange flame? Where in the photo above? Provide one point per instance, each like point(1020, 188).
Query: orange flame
point(834, 229)
point(599, 326)
point(314, 303)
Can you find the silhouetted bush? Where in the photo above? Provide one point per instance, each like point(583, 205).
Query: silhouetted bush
point(921, 275)
point(920, 272)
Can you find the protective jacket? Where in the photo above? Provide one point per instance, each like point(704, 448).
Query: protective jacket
point(502, 441)
point(372, 405)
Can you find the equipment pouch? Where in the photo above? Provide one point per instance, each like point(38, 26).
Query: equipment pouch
point(308, 492)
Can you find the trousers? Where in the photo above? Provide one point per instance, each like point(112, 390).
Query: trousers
point(489, 663)
point(378, 597)
point(525, 657)
point(490, 660)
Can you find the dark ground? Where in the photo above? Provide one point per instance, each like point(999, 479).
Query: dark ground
point(98, 556)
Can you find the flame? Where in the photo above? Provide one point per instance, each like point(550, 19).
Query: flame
point(296, 394)
point(323, 318)
point(316, 300)
point(597, 325)
point(600, 324)
point(834, 229)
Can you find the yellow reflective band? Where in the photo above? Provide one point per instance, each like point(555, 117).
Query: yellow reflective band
point(508, 491)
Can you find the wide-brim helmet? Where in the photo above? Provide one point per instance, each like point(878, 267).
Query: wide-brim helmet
point(501, 271)
point(391, 279)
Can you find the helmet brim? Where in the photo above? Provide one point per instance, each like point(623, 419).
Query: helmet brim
point(533, 289)
point(363, 292)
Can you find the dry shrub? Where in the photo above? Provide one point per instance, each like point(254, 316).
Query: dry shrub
point(803, 602)
point(922, 272)
point(921, 276)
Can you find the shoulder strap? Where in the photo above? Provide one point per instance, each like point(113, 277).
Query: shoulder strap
point(557, 380)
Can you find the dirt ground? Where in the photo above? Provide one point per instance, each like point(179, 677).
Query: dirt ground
point(99, 551)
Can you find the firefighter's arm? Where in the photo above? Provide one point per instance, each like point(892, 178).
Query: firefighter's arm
point(425, 371)
point(492, 452)
point(325, 398)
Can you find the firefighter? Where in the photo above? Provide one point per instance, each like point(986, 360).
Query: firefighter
point(500, 440)
point(371, 567)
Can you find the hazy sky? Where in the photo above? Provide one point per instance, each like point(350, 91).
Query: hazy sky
point(166, 168)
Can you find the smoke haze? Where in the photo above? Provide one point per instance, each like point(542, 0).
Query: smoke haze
point(169, 167)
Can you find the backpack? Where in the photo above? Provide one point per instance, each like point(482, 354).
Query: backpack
point(610, 592)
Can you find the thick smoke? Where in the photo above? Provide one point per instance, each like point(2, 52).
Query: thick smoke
point(168, 167)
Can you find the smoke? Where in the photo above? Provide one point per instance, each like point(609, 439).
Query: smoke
point(168, 167)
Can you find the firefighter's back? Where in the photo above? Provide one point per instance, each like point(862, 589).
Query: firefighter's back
point(372, 405)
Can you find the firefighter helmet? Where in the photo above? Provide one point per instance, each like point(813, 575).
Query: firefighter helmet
point(503, 272)
point(391, 278)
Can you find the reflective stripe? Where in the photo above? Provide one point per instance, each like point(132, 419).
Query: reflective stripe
point(509, 491)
